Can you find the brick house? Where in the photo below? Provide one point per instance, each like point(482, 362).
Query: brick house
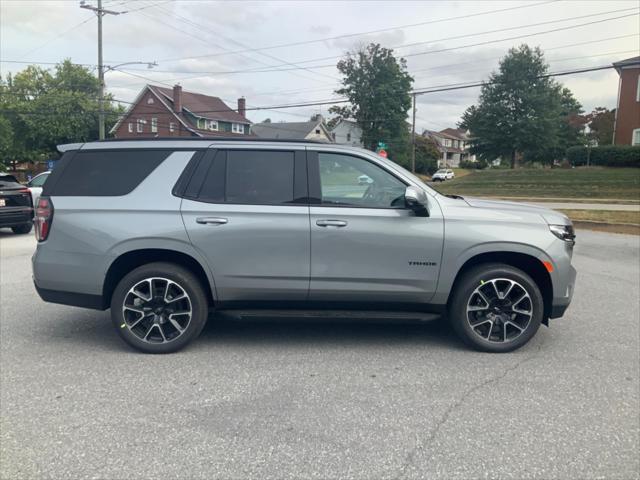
point(627, 124)
point(165, 112)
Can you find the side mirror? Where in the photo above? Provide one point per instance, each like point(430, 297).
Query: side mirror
point(416, 200)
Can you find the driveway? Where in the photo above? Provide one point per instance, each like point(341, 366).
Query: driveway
point(275, 399)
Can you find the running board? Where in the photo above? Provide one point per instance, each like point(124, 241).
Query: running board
point(331, 314)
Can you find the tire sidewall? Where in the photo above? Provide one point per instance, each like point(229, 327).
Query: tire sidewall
point(185, 280)
point(471, 280)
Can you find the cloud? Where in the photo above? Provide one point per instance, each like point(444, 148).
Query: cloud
point(320, 29)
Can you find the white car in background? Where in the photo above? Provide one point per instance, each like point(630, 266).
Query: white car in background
point(35, 186)
point(442, 175)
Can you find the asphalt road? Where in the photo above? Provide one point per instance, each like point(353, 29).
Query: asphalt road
point(275, 399)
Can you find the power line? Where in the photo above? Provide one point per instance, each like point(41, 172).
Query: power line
point(333, 57)
point(426, 90)
point(26, 54)
point(410, 54)
point(236, 42)
point(387, 29)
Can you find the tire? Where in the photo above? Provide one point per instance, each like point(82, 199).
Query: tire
point(153, 319)
point(22, 229)
point(489, 323)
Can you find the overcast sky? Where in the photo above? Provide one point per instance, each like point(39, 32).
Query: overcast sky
point(192, 38)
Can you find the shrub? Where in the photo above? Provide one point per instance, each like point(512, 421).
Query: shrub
point(606, 156)
point(478, 165)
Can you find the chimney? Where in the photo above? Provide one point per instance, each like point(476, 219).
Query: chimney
point(242, 106)
point(177, 98)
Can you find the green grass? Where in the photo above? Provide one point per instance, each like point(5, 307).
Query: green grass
point(593, 182)
point(607, 216)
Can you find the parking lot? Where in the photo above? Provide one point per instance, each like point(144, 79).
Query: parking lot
point(276, 399)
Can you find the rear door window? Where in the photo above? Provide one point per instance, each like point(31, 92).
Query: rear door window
point(104, 172)
point(254, 177)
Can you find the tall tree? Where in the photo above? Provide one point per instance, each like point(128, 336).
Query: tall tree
point(521, 113)
point(378, 88)
point(44, 109)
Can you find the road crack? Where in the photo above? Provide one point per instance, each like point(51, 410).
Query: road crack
point(421, 444)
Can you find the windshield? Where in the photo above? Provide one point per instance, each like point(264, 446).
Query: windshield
point(441, 171)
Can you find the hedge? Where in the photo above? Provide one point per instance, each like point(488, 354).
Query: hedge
point(606, 156)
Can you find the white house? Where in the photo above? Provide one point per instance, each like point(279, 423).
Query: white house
point(347, 132)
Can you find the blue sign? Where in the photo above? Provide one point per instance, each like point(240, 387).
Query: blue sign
point(51, 164)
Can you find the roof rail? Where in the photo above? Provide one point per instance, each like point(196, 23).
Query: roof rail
point(210, 139)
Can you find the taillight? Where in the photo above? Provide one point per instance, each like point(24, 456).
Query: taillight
point(43, 218)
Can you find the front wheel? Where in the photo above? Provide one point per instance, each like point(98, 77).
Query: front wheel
point(159, 308)
point(496, 308)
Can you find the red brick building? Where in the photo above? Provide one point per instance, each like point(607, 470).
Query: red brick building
point(165, 112)
point(627, 124)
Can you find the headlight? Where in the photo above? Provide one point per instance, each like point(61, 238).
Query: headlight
point(563, 232)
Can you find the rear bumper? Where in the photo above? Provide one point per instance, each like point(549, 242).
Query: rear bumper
point(70, 298)
point(13, 217)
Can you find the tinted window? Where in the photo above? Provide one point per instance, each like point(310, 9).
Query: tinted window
point(347, 180)
point(106, 173)
point(39, 180)
point(251, 177)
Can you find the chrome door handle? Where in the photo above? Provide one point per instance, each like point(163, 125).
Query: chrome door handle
point(212, 220)
point(331, 223)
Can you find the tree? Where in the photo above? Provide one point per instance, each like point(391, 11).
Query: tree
point(44, 109)
point(378, 88)
point(521, 113)
point(266, 120)
point(601, 122)
point(427, 155)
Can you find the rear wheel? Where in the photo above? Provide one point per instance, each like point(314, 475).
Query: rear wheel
point(159, 308)
point(496, 308)
point(22, 229)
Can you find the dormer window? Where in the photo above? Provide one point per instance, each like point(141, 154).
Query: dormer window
point(212, 125)
point(237, 128)
point(150, 101)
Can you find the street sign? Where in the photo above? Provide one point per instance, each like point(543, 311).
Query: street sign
point(51, 164)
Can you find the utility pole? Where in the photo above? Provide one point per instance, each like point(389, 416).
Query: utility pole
point(413, 137)
point(100, 12)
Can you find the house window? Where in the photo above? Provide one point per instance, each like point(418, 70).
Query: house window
point(348, 137)
point(237, 128)
point(130, 127)
point(154, 125)
point(201, 123)
point(212, 125)
point(140, 125)
point(317, 131)
point(635, 139)
point(150, 100)
point(172, 127)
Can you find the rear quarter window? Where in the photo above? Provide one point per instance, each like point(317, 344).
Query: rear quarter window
point(98, 173)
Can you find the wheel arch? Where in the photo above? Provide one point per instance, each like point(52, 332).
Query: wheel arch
point(529, 264)
point(132, 259)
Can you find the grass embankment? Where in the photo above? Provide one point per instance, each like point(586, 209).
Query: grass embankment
point(606, 216)
point(557, 183)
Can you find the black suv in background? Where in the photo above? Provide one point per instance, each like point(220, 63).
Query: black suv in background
point(16, 208)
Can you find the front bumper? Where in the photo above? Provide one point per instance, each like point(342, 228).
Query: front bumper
point(561, 303)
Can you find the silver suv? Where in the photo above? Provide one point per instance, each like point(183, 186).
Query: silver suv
point(164, 231)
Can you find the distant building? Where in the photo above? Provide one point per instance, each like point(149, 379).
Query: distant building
point(166, 112)
point(453, 145)
point(627, 124)
point(315, 130)
point(347, 132)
